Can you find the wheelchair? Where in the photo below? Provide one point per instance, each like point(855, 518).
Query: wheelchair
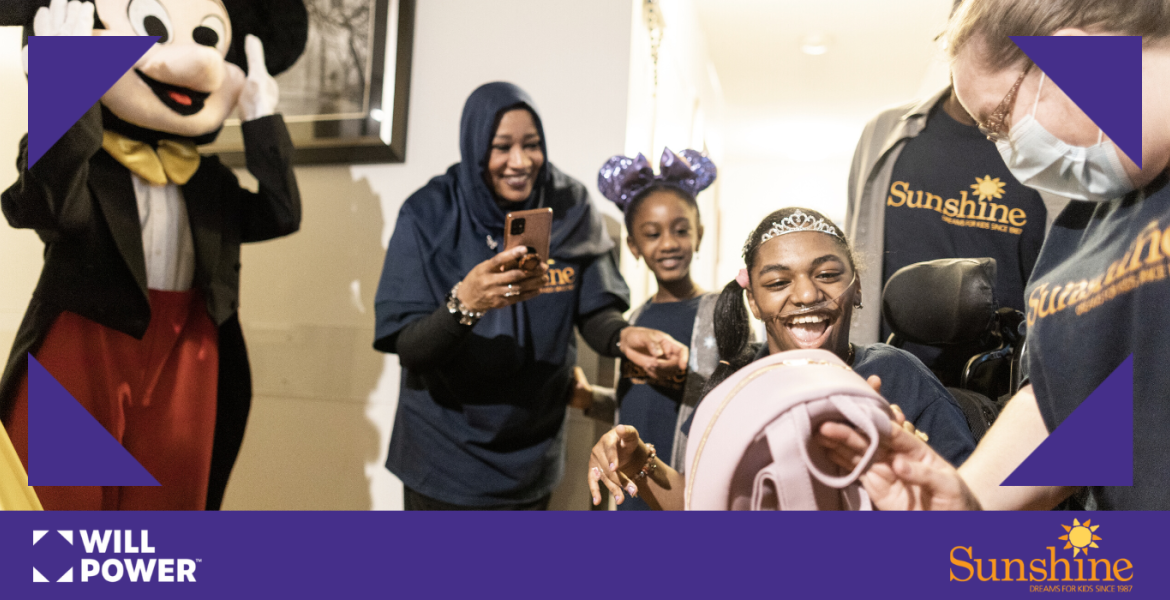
point(949, 304)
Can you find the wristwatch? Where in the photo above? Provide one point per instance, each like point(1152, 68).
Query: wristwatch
point(466, 315)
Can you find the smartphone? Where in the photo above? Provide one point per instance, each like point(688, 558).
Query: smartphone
point(532, 229)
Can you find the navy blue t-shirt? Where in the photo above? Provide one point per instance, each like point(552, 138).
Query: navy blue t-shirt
point(651, 406)
point(486, 428)
point(952, 196)
point(923, 399)
point(1101, 292)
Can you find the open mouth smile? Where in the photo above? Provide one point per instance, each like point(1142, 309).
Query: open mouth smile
point(809, 330)
point(670, 262)
point(184, 101)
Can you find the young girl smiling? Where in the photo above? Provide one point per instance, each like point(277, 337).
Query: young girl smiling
point(665, 231)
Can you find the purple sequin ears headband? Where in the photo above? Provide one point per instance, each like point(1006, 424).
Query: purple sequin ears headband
point(622, 178)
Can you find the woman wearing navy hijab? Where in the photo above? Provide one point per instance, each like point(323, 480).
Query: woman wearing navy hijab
point(487, 357)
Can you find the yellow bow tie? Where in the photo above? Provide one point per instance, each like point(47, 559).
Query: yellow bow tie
point(173, 162)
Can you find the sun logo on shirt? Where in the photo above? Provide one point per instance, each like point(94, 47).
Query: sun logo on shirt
point(1080, 537)
point(987, 187)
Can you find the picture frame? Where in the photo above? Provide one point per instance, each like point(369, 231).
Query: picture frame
point(345, 101)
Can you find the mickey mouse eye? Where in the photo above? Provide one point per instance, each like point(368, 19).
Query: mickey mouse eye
point(148, 17)
point(210, 32)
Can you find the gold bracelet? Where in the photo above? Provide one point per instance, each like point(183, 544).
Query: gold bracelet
point(650, 465)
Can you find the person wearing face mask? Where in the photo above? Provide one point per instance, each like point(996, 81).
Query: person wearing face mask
point(925, 184)
point(487, 351)
point(800, 279)
point(1098, 294)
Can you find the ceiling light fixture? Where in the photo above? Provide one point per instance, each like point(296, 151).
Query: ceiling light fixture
point(815, 44)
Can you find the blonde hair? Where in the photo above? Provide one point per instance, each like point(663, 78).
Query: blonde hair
point(996, 20)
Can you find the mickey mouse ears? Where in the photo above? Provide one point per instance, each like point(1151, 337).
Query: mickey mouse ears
point(282, 25)
point(18, 12)
point(622, 178)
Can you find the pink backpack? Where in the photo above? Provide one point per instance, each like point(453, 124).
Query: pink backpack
point(751, 442)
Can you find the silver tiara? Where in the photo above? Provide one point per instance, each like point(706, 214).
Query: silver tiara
point(797, 221)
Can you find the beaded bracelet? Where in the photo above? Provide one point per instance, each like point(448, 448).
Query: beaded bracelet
point(650, 465)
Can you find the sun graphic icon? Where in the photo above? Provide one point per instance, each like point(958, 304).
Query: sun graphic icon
point(988, 187)
point(1080, 537)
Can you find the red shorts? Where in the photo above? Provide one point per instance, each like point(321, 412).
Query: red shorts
point(156, 396)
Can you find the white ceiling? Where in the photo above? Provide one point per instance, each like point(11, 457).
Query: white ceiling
point(791, 121)
point(881, 53)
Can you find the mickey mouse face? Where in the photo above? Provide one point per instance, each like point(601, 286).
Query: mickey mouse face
point(183, 85)
point(150, 17)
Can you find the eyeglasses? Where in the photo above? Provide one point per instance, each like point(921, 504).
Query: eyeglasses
point(997, 127)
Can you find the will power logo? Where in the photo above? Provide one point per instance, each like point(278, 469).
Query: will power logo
point(38, 535)
point(110, 555)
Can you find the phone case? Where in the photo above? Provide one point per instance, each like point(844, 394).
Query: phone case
point(536, 235)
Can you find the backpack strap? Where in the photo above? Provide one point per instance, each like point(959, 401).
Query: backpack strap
point(859, 418)
point(792, 483)
point(786, 478)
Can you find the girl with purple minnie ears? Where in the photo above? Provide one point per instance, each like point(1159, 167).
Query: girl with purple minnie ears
point(665, 231)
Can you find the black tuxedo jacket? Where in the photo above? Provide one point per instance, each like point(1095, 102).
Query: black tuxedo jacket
point(81, 202)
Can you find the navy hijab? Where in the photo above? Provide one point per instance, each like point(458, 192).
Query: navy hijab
point(449, 226)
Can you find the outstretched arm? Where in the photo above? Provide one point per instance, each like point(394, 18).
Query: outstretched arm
point(907, 474)
point(617, 459)
point(1017, 432)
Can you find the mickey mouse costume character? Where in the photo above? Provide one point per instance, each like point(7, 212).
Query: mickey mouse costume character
point(135, 310)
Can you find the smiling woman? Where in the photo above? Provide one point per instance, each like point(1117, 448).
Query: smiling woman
point(516, 157)
point(487, 345)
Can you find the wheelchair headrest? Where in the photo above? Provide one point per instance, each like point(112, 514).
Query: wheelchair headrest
point(941, 302)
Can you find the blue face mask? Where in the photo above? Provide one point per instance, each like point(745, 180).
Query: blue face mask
point(1043, 162)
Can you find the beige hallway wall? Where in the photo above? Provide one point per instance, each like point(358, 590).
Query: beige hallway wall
point(20, 251)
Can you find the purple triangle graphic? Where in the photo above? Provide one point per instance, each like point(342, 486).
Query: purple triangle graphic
point(67, 75)
point(1093, 446)
point(1102, 74)
point(67, 446)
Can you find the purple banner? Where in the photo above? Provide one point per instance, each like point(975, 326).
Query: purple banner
point(581, 555)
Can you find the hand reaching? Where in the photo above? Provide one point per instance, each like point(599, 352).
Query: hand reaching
point(660, 355)
point(261, 93)
point(62, 18)
point(906, 474)
point(617, 450)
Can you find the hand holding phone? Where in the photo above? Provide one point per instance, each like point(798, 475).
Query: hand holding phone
point(531, 229)
point(490, 284)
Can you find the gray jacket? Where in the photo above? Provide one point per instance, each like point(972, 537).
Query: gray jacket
point(865, 217)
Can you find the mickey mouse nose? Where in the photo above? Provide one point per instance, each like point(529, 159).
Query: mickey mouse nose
point(185, 65)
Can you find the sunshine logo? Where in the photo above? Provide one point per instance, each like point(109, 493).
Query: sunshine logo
point(1080, 537)
point(967, 565)
point(987, 187)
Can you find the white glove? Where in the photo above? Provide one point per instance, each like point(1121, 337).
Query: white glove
point(62, 17)
point(261, 93)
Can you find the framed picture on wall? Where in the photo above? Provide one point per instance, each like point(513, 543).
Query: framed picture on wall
point(345, 100)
